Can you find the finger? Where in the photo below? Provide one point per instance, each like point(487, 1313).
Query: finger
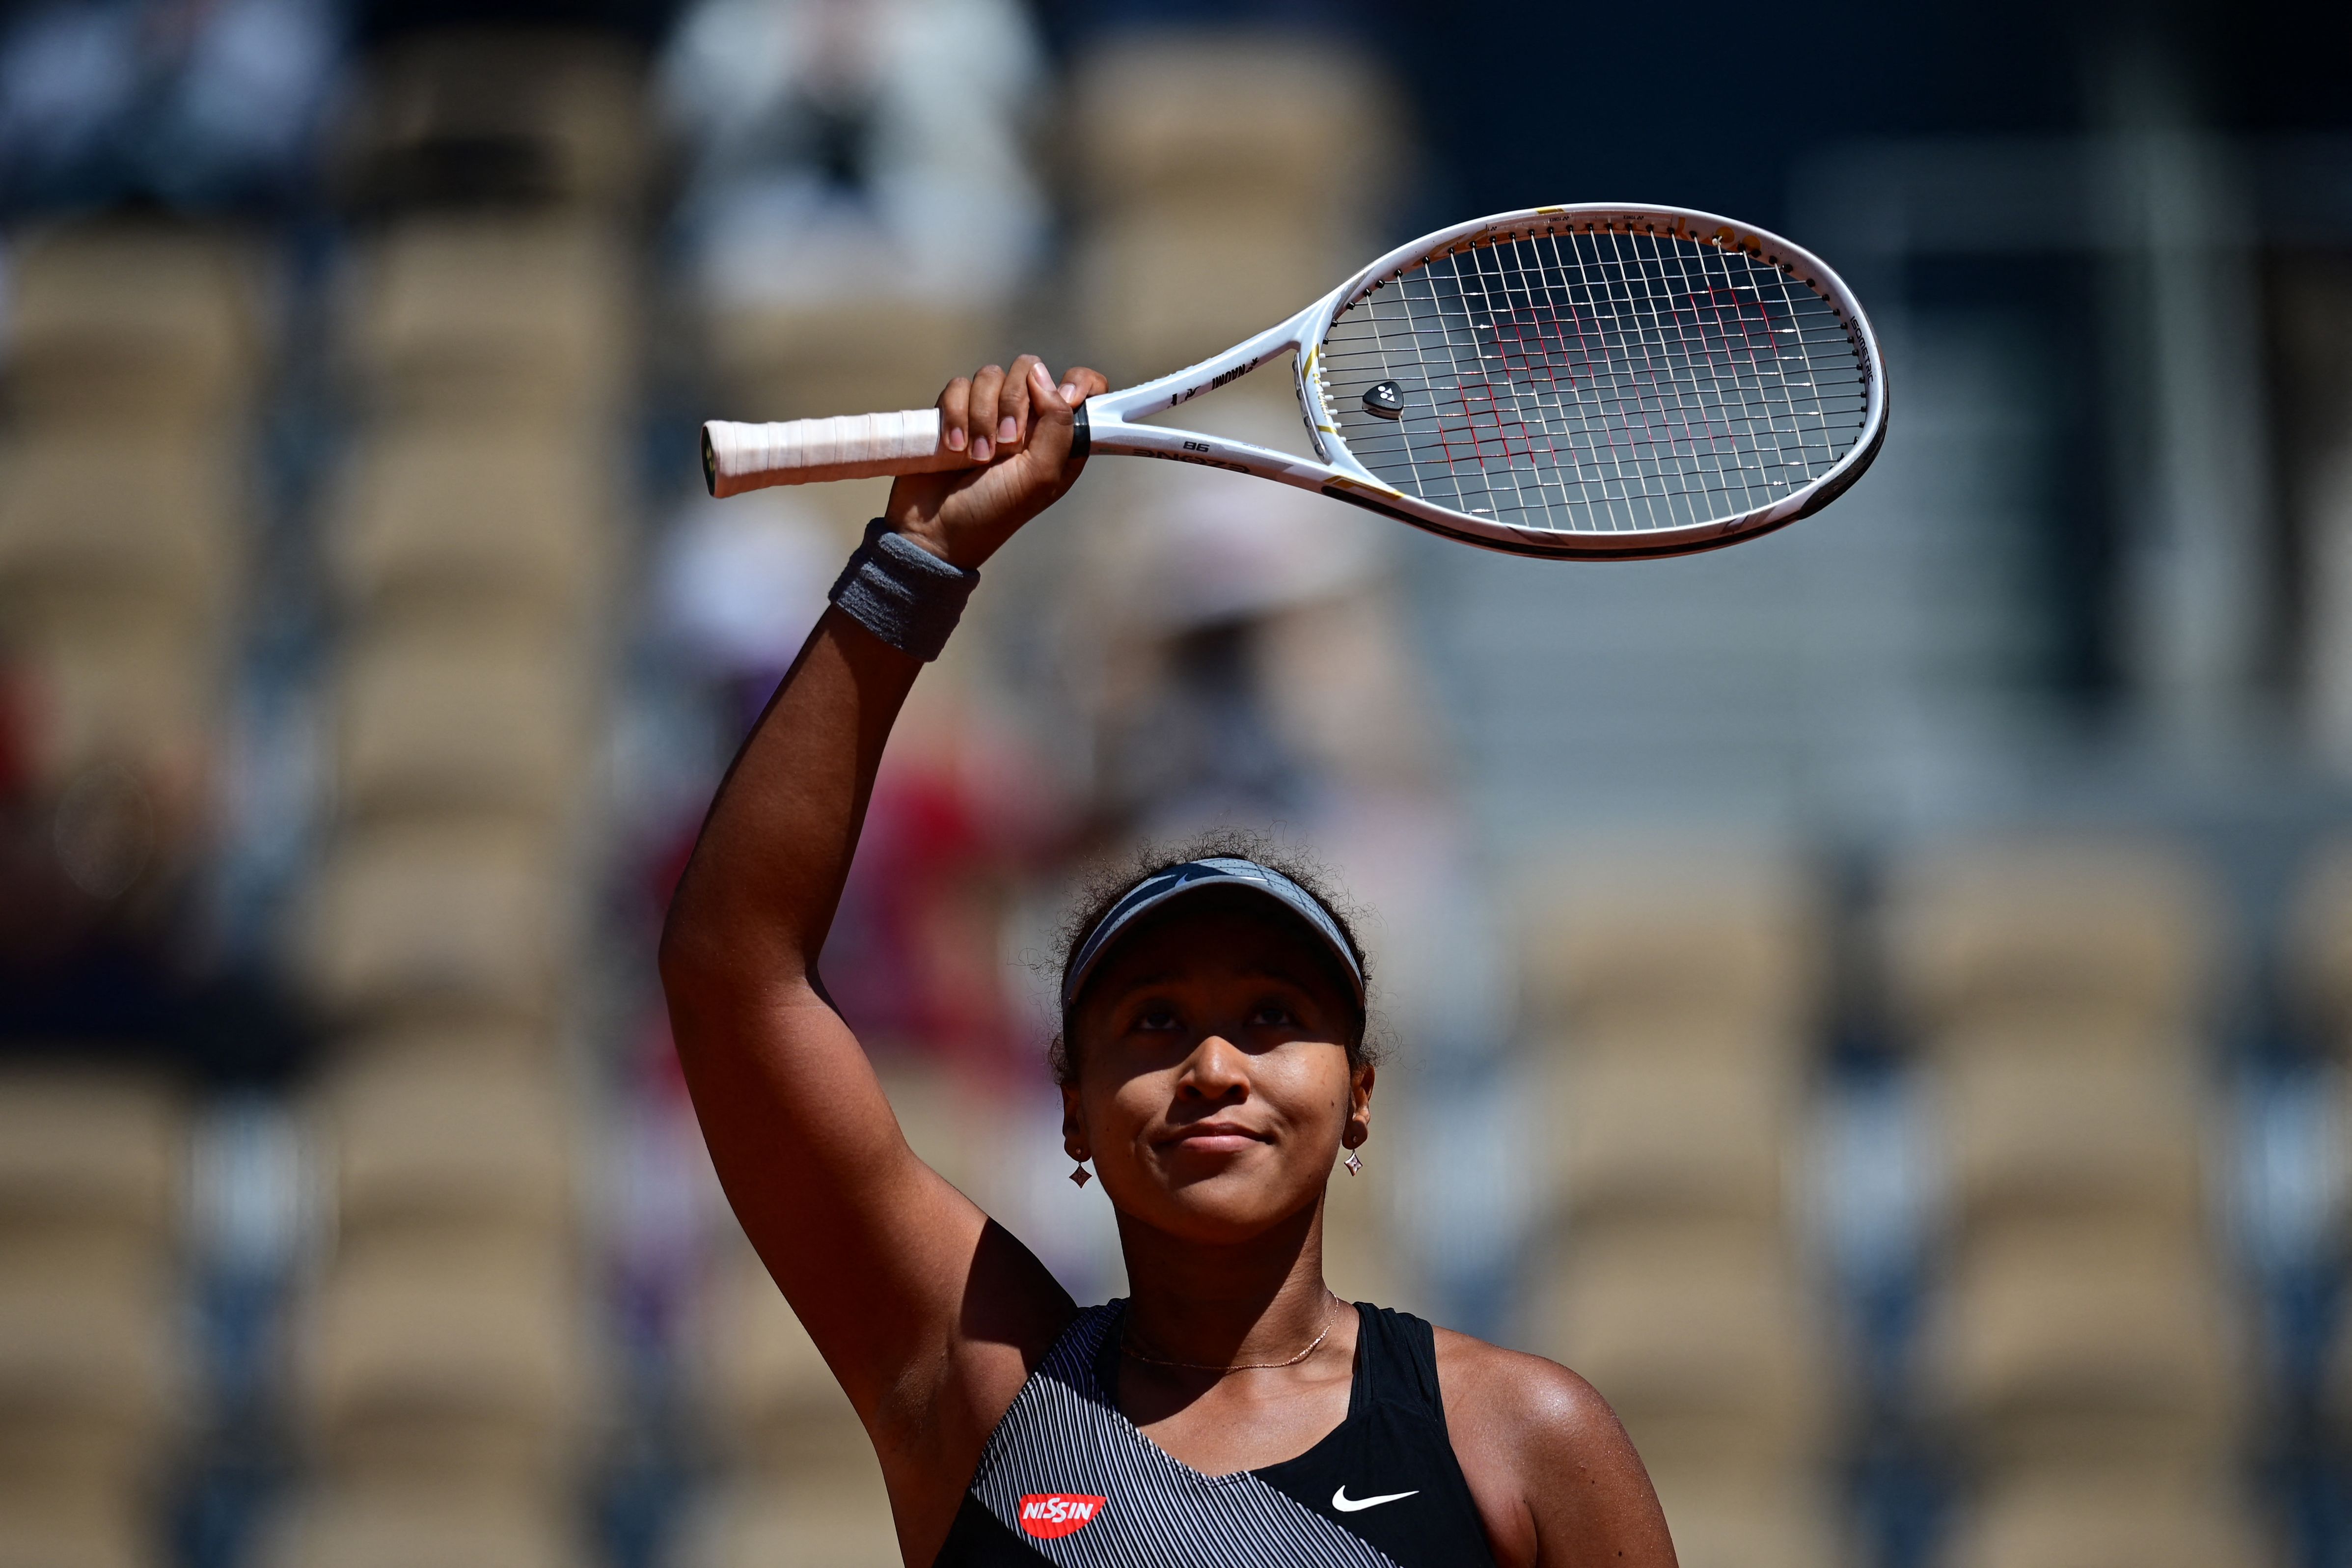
point(1045, 397)
point(1052, 429)
point(955, 413)
point(987, 385)
point(1078, 383)
point(1012, 404)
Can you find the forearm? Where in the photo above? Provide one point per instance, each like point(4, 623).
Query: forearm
point(875, 1251)
point(801, 1134)
point(759, 893)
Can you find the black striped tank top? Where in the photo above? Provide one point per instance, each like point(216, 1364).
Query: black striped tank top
point(1067, 1480)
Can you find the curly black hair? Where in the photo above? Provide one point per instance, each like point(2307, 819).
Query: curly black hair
point(1115, 879)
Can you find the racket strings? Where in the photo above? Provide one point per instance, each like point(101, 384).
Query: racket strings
point(1598, 381)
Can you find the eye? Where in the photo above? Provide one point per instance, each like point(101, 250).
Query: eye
point(1156, 1017)
point(1272, 1016)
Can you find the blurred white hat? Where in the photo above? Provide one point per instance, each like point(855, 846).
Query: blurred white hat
point(1214, 546)
point(740, 583)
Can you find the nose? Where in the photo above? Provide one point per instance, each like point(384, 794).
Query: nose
point(1216, 1070)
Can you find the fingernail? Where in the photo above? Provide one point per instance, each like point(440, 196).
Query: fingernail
point(1069, 392)
point(1039, 377)
point(980, 449)
point(955, 441)
point(1007, 432)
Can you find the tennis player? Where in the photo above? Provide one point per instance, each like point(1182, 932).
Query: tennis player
point(1233, 1412)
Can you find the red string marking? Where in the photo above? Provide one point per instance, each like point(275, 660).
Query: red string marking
point(1607, 378)
point(1533, 344)
point(1484, 423)
point(1735, 331)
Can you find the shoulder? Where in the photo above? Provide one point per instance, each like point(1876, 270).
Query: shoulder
point(1524, 1396)
point(1555, 1478)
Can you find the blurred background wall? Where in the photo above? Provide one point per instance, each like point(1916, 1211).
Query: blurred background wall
point(1874, 1001)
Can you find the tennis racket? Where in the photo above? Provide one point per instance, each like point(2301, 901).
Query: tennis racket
point(1596, 382)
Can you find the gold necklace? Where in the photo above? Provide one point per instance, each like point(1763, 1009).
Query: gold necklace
point(1127, 1348)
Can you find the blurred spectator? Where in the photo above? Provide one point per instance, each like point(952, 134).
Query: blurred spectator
point(855, 148)
point(859, 207)
point(1211, 704)
point(195, 104)
point(917, 958)
point(119, 597)
point(914, 958)
point(89, 882)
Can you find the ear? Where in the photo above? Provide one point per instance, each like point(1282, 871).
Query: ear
point(1360, 1107)
point(1074, 1127)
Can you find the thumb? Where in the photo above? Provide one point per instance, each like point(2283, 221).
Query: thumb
point(1051, 430)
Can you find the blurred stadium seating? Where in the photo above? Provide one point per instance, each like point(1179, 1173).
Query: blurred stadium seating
point(2085, 1328)
point(2319, 960)
point(367, 654)
point(392, 1527)
point(449, 1378)
point(96, 1384)
point(1673, 999)
point(135, 356)
point(1253, 160)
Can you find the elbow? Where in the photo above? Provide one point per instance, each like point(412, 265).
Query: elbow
point(703, 962)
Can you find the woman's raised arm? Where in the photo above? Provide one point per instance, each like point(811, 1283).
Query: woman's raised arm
point(923, 1308)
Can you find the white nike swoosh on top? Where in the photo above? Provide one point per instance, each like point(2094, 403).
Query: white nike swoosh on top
point(1346, 1504)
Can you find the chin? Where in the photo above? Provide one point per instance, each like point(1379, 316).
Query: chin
point(1227, 1209)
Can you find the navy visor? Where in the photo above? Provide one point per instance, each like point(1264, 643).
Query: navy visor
point(1219, 871)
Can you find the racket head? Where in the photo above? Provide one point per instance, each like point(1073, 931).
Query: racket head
point(1602, 382)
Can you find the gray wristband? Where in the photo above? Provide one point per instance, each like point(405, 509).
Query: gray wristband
point(902, 592)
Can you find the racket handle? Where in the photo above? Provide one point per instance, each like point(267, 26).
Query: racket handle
point(739, 458)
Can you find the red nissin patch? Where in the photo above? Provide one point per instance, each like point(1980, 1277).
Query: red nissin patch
point(1049, 1515)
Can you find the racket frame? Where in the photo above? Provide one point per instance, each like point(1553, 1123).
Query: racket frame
point(1108, 420)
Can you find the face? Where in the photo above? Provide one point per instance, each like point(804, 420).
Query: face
point(1213, 1092)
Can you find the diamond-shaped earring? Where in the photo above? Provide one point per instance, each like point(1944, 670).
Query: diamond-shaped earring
point(1352, 1163)
point(1081, 1176)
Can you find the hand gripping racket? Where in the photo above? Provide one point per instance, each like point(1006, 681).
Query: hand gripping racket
point(1602, 382)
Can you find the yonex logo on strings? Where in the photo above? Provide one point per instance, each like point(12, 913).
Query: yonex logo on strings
point(1049, 1515)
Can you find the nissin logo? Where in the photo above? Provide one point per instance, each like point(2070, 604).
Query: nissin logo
point(1049, 1515)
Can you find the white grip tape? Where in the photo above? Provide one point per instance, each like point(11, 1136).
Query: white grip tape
point(804, 451)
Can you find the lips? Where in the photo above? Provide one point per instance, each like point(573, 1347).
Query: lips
point(1216, 1138)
